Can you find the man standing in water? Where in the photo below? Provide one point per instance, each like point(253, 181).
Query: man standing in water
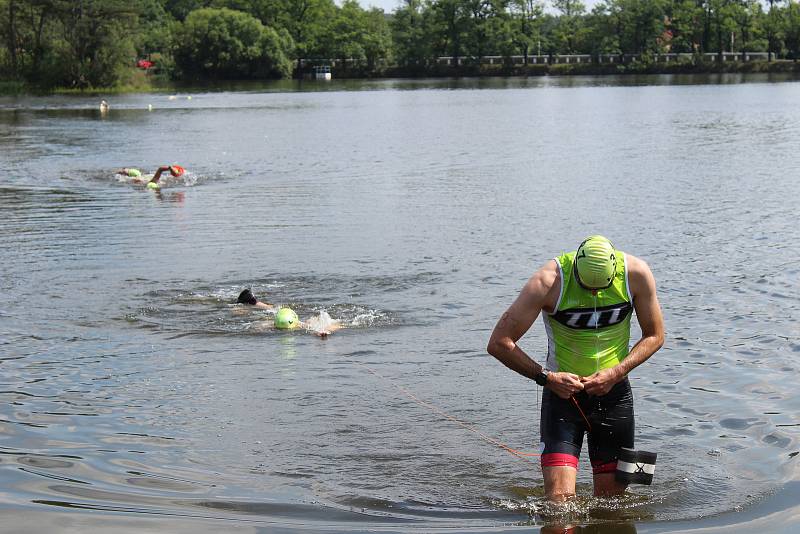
point(587, 297)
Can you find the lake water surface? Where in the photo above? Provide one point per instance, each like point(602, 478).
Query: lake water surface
point(135, 395)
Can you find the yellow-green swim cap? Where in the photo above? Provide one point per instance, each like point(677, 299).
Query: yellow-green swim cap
point(595, 263)
point(286, 319)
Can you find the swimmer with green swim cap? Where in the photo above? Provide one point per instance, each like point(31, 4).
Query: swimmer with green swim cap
point(595, 263)
point(287, 319)
point(586, 298)
point(131, 173)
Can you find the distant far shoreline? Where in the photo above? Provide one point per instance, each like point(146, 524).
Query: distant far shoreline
point(157, 85)
point(573, 69)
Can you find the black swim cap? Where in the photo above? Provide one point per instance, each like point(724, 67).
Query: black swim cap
point(247, 297)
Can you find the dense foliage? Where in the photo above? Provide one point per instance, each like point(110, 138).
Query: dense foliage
point(224, 43)
point(476, 28)
point(95, 43)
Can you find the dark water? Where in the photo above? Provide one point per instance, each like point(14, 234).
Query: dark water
point(135, 394)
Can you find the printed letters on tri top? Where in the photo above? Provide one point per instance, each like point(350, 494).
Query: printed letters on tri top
point(591, 318)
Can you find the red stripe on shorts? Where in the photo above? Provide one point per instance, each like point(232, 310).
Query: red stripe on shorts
point(557, 459)
point(609, 467)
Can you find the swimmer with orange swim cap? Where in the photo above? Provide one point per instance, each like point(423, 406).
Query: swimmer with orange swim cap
point(174, 170)
point(139, 178)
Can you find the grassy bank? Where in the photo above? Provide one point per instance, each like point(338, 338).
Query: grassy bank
point(13, 87)
point(131, 81)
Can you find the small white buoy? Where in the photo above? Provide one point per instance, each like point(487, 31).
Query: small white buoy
point(103, 106)
point(189, 97)
point(172, 97)
point(149, 107)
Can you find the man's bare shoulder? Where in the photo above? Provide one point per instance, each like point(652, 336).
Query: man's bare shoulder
point(545, 277)
point(639, 274)
point(635, 264)
point(544, 286)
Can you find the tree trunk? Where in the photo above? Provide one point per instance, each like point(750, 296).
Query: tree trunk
point(770, 33)
point(744, 44)
point(37, 48)
point(12, 36)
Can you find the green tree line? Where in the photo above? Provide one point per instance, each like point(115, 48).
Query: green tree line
point(95, 43)
point(425, 29)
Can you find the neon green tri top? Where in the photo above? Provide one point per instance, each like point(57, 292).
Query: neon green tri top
point(588, 332)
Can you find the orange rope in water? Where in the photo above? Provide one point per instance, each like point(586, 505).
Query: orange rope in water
point(435, 409)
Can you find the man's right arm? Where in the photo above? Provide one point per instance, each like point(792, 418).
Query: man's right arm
point(517, 320)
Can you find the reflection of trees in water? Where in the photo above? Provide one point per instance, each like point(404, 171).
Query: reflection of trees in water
point(605, 528)
point(17, 145)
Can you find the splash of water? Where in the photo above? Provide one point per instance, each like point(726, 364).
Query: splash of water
point(582, 508)
point(368, 318)
point(321, 323)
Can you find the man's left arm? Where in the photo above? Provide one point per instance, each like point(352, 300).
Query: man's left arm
point(648, 313)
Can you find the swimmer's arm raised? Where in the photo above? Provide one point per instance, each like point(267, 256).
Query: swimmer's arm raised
point(157, 175)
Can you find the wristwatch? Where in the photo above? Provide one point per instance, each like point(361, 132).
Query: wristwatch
point(541, 377)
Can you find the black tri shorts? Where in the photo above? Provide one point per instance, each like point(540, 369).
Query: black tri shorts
point(610, 426)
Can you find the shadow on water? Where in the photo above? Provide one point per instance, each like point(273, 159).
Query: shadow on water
point(358, 513)
point(775, 515)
